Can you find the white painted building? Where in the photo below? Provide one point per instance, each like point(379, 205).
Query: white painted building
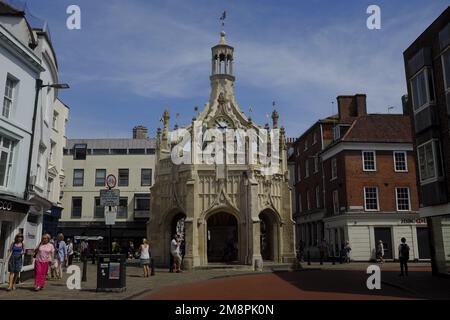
point(26, 59)
point(19, 69)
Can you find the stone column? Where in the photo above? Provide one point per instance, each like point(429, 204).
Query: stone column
point(438, 263)
point(254, 227)
point(191, 258)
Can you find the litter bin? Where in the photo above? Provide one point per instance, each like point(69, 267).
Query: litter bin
point(111, 272)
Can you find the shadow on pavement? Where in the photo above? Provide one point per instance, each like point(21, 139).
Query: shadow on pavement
point(419, 284)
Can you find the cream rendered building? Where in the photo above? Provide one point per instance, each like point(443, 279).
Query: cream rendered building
point(226, 213)
point(56, 174)
point(87, 162)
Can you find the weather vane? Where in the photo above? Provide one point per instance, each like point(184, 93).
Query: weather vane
point(223, 17)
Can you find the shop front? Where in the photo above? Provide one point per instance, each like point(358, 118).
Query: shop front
point(13, 214)
point(122, 232)
point(365, 231)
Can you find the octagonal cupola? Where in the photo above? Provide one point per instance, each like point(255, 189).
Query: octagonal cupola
point(222, 60)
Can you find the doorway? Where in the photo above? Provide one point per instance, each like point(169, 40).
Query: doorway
point(268, 235)
point(423, 242)
point(5, 232)
point(385, 235)
point(222, 238)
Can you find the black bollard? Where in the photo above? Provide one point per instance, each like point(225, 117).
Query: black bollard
point(309, 258)
point(152, 273)
point(84, 277)
point(171, 263)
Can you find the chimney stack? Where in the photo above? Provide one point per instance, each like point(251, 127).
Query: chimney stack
point(140, 132)
point(351, 107)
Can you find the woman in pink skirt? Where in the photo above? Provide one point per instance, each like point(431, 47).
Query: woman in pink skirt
point(44, 255)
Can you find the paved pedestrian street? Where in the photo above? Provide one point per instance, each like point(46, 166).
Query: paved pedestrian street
point(346, 281)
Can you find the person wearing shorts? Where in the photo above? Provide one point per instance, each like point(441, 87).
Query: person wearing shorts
point(176, 252)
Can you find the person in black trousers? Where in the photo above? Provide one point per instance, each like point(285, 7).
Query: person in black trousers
point(403, 254)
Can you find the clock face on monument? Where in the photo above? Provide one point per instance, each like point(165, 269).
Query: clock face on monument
point(222, 124)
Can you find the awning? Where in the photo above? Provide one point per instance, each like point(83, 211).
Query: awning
point(11, 204)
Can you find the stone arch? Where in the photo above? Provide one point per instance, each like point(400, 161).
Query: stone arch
point(203, 222)
point(270, 235)
point(172, 217)
point(222, 237)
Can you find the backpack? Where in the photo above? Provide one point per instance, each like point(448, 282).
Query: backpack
point(404, 250)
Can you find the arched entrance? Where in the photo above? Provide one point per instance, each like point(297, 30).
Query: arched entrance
point(222, 238)
point(268, 235)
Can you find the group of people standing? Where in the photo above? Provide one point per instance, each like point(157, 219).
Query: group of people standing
point(403, 255)
point(49, 254)
point(324, 249)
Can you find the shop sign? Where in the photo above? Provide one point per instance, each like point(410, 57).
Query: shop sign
point(6, 205)
point(413, 221)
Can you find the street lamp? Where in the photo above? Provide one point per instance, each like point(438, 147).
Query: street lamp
point(57, 86)
point(39, 86)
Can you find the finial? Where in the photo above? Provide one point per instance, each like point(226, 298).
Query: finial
point(275, 118)
point(222, 37)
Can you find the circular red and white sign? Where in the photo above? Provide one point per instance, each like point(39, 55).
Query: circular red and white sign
point(111, 181)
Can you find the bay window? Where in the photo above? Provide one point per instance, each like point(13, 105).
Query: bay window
point(422, 89)
point(430, 164)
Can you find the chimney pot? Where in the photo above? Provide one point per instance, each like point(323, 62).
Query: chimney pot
point(140, 132)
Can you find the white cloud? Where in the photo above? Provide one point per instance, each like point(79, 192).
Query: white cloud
point(154, 52)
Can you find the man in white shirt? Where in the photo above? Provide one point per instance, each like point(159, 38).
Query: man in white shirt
point(175, 251)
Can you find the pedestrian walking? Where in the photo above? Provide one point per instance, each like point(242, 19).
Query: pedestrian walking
point(115, 247)
point(44, 255)
point(70, 252)
point(176, 252)
point(403, 254)
point(323, 247)
point(347, 251)
point(301, 250)
point(15, 260)
point(130, 250)
point(380, 251)
point(144, 250)
point(61, 248)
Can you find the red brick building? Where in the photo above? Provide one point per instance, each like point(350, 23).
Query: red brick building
point(307, 183)
point(355, 180)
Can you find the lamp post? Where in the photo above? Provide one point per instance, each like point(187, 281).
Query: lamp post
point(39, 86)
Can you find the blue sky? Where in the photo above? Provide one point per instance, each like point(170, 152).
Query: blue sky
point(133, 58)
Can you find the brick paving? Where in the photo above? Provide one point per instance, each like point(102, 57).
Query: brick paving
point(137, 285)
point(340, 281)
point(322, 282)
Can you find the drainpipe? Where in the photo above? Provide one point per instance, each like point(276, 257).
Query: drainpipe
point(33, 128)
